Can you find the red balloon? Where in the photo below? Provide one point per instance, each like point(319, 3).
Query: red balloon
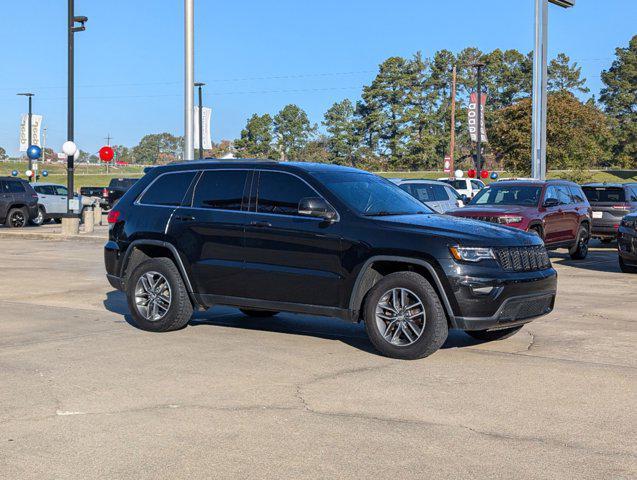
point(471, 173)
point(106, 154)
point(484, 173)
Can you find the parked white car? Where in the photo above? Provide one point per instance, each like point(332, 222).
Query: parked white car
point(438, 196)
point(52, 200)
point(465, 186)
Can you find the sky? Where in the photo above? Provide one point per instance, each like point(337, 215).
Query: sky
point(256, 56)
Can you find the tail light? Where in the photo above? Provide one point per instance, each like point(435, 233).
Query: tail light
point(105, 193)
point(34, 195)
point(113, 216)
point(622, 206)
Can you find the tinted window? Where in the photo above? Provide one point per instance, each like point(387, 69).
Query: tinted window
point(371, 195)
point(564, 195)
point(281, 193)
point(15, 187)
point(125, 183)
point(440, 193)
point(60, 190)
point(457, 184)
point(45, 189)
point(604, 194)
point(424, 193)
point(222, 189)
point(508, 195)
point(168, 189)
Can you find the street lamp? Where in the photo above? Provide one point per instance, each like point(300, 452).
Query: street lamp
point(30, 125)
point(540, 74)
point(189, 77)
point(478, 164)
point(199, 85)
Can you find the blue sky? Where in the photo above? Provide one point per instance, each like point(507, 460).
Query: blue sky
point(256, 55)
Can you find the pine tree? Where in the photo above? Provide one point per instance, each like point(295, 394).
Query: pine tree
point(256, 138)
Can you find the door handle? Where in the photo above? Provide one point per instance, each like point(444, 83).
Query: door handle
point(185, 218)
point(260, 224)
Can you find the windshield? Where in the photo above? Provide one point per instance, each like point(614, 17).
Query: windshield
point(371, 195)
point(508, 195)
point(457, 184)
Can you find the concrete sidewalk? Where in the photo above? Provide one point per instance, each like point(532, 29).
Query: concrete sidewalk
point(53, 231)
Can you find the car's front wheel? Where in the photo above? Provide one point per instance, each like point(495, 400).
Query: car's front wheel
point(404, 317)
point(579, 251)
point(492, 335)
point(626, 268)
point(157, 297)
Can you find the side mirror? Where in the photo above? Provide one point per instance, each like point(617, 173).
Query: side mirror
point(551, 202)
point(464, 198)
point(316, 207)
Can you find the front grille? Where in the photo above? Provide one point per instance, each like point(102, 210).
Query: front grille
point(523, 259)
point(486, 219)
point(527, 308)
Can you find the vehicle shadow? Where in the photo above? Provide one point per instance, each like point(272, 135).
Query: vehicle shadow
point(601, 257)
point(352, 334)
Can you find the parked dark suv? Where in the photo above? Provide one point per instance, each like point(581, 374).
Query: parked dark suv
point(323, 240)
point(610, 203)
point(555, 210)
point(18, 202)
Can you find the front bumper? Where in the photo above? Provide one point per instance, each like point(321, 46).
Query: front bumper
point(490, 298)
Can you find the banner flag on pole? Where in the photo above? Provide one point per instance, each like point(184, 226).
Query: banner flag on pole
point(473, 117)
point(206, 115)
point(36, 122)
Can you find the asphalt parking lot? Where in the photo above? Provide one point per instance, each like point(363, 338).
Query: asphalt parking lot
point(85, 395)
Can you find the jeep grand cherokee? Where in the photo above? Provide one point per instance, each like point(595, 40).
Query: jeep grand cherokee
point(322, 240)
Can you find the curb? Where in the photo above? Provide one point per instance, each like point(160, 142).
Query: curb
point(53, 236)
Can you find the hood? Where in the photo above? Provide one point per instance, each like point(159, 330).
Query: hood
point(489, 210)
point(463, 231)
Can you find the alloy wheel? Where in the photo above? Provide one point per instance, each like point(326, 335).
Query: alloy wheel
point(153, 296)
point(18, 219)
point(400, 317)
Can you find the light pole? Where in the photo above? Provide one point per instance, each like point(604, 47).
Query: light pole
point(189, 75)
point(538, 128)
point(199, 85)
point(29, 125)
point(478, 164)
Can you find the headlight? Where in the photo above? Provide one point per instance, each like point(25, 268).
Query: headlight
point(472, 254)
point(508, 219)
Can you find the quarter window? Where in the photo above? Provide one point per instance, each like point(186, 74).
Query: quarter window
point(220, 189)
point(169, 189)
point(281, 193)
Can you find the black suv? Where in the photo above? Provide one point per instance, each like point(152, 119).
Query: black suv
point(322, 240)
point(18, 202)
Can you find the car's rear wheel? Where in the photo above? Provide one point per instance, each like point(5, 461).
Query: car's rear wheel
point(404, 317)
point(17, 218)
point(579, 251)
point(39, 219)
point(491, 335)
point(157, 297)
point(258, 313)
point(626, 268)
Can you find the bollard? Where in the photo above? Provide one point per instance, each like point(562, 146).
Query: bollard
point(70, 225)
point(87, 218)
point(97, 214)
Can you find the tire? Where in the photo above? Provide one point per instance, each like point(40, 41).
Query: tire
point(57, 220)
point(490, 336)
point(579, 251)
point(17, 218)
point(39, 220)
point(626, 268)
point(258, 313)
point(172, 314)
point(405, 343)
point(537, 230)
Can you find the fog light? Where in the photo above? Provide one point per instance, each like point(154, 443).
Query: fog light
point(482, 290)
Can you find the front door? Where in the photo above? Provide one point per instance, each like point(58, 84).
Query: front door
point(290, 257)
point(208, 230)
point(554, 229)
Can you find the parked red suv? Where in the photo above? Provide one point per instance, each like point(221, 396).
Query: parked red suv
point(555, 210)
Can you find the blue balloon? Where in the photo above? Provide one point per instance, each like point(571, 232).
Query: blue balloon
point(34, 152)
point(14, 173)
point(45, 173)
point(494, 176)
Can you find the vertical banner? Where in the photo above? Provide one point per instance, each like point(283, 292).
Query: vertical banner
point(36, 122)
point(206, 115)
point(473, 117)
point(447, 164)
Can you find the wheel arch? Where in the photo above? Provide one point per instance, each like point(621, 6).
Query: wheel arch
point(377, 267)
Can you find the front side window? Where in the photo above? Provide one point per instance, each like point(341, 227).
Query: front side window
point(477, 184)
point(508, 195)
point(564, 195)
point(370, 195)
point(168, 189)
point(423, 193)
point(221, 189)
point(440, 193)
point(281, 193)
point(551, 192)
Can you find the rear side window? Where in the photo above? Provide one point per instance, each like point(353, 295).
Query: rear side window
point(281, 193)
point(605, 194)
point(577, 194)
point(15, 187)
point(169, 189)
point(220, 189)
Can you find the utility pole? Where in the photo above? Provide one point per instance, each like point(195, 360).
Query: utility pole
point(108, 139)
point(199, 85)
point(189, 74)
point(452, 145)
point(478, 161)
point(29, 126)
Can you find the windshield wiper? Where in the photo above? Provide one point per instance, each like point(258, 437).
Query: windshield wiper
point(384, 213)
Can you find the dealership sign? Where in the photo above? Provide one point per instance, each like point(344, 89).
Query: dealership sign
point(473, 117)
point(36, 122)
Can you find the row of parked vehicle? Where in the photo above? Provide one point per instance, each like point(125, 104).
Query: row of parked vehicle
point(23, 203)
point(562, 213)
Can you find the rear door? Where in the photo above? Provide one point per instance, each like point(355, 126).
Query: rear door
point(569, 210)
point(208, 230)
point(290, 258)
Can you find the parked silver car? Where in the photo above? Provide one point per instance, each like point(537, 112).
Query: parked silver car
point(52, 200)
point(438, 196)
